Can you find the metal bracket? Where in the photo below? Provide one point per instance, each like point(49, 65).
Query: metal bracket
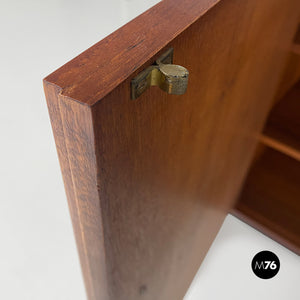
point(172, 79)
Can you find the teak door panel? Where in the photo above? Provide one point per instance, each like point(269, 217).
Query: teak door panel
point(149, 181)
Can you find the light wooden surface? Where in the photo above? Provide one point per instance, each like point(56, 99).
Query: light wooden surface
point(150, 181)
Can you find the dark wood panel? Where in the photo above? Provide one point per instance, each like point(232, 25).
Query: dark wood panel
point(283, 125)
point(150, 181)
point(297, 36)
point(270, 198)
point(291, 72)
point(296, 43)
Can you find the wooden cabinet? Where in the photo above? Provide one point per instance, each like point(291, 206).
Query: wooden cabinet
point(149, 181)
point(270, 199)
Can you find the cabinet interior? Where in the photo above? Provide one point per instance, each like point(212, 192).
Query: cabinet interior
point(270, 197)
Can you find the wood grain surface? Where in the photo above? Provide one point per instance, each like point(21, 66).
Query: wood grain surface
point(270, 198)
point(283, 123)
point(291, 72)
point(150, 181)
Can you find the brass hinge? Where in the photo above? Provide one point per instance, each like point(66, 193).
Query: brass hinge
point(172, 79)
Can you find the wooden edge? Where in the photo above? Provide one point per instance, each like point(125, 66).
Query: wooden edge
point(277, 145)
point(263, 225)
point(62, 116)
point(97, 71)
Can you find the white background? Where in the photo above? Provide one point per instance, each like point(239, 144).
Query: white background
point(38, 258)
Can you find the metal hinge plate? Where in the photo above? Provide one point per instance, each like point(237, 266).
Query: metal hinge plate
point(170, 78)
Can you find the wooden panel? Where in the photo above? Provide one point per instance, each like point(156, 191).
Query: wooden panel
point(283, 125)
point(297, 36)
point(270, 198)
point(290, 76)
point(291, 72)
point(82, 210)
point(150, 181)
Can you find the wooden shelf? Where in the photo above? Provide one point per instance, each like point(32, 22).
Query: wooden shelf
point(281, 147)
point(270, 199)
point(282, 131)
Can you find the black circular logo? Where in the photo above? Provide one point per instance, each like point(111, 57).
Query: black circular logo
point(265, 264)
